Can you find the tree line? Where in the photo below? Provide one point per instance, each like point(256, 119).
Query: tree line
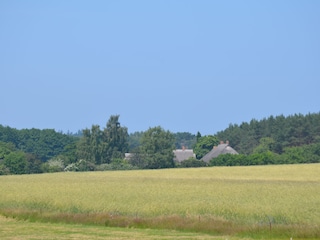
point(273, 140)
point(96, 148)
point(291, 131)
point(309, 153)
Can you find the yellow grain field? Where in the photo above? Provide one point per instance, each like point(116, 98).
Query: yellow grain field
point(255, 195)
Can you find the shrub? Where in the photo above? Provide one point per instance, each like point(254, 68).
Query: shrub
point(192, 162)
point(81, 165)
point(53, 165)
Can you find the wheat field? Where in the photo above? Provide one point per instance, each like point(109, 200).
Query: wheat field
point(267, 196)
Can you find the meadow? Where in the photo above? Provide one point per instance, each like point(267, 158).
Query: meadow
point(277, 201)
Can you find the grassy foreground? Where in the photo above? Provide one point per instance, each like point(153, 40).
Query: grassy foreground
point(246, 202)
point(23, 230)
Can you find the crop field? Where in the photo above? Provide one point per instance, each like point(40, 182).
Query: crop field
point(256, 202)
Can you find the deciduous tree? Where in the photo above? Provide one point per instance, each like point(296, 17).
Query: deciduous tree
point(204, 145)
point(101, 146)
point(157, 148)
point(16, 162)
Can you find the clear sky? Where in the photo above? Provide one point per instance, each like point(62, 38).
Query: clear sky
point(186, 66)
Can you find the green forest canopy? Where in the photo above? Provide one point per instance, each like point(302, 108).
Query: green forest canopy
point(297, 137)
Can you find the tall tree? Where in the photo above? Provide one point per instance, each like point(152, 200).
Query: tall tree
point(116, 139)
point(157, 148)
point(89, 146)
point(204, 145)
point(266, 144)
point(184, 139)
point(16, 162)
point(101, 146)
point(134, 140)
point(198, 136)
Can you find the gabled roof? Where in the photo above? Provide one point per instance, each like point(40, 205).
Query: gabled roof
point(222, 148)
point(183, 154)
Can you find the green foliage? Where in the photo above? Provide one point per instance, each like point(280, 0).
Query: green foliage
point(13, 161)
point(5, 149)
point(116, 164)
point(70, 153)
point(303, 154)
point(198, 136)
point(291, 131)
point(192, 163)
point(4, 170)
point(184, 139)
point(90, 147)
point(293, 155)
point(44, 144)
point(266, 144)
point(134, 140)
point(275, 140)
point(204, 145)
point(102, 146)
point(228, 160)
point(33, 164)
point(264, 158)
point(156, 150)
point(245, 160)
point(55, 164)
point(16, 162)
point(81, 165)
point(137, 158)
point(116, 138)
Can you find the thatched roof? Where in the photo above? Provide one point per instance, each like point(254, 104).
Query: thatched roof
point(183, 154)
point(222, 148)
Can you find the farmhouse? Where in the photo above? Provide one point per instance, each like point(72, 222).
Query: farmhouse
point(222, 148)
point(179, 154)
point(183, 154)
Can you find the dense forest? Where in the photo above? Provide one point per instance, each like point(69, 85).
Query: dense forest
point(292, 131)
point(45, 144)
point(273, 140)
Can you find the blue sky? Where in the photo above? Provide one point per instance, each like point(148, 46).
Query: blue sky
point(186, 66)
